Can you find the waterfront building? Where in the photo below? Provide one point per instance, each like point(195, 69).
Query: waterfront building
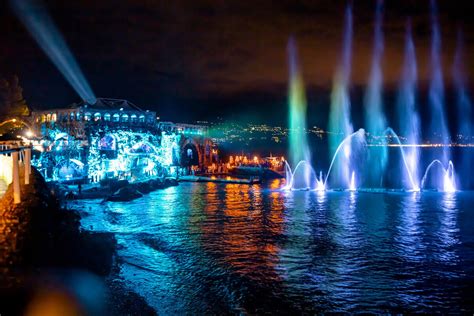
point(114, 138)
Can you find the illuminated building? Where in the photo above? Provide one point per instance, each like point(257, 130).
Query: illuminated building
point(114, 139)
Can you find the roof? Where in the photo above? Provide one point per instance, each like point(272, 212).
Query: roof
point(107, 103)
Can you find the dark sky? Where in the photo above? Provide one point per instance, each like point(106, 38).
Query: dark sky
point(199, 59)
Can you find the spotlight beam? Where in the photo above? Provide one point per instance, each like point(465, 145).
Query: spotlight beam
point(42, 28)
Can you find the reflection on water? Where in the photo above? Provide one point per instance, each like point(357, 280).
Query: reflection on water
point(409, 235)
point(216, 248)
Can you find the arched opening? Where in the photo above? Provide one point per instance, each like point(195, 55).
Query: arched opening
point(87, 116)
point(116, 117)
point(141, 118)
point(189, 155)
point(107, 117)
point(97, 116)
point(124, 118)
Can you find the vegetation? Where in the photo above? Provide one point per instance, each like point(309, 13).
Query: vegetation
point(12, 102)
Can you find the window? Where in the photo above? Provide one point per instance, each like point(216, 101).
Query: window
point(107, 117)
point(78, 116)
point(72, 116)
point(48, 117)
point(97, 116)
point(124, 117)
point(141, 118)
point(133, 118)
point(87, 116)
point(116, 117)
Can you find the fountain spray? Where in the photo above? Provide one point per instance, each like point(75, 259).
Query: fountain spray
point(375, 121)
point(438, 124)
point(339, 117)
point(298, 139)
point(409, 120)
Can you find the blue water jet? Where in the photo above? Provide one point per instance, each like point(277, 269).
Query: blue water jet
point(375, 121)
point(408, 118)
point(340, 125)
point(438, 126)
point(463, 105)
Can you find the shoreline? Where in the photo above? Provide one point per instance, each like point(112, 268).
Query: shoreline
point(46, 254)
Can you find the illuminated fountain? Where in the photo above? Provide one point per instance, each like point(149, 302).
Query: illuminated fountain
point(375, 121)
point(438, 124)
point(407, 163)
point(346, 143)
point(320, 184)
point(298, 140)
point(464, 106)
point(352, 185)
point(339, 118)
point(409, 120)
point(448, 176)
point(346, 146)
point(291, 175)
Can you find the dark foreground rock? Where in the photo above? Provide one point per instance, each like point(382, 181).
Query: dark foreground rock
point(47, 261)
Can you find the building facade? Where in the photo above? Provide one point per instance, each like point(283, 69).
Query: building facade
point(115, 139)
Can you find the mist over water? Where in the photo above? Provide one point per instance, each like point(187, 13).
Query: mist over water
point(463, 106)
point(42, 28)
point(375, 120)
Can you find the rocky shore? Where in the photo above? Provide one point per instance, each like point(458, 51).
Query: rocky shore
point(47, 262)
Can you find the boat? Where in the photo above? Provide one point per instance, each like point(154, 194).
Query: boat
point(261, 172)
point(252, 180)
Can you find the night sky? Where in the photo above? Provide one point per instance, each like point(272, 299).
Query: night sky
point(192, 60)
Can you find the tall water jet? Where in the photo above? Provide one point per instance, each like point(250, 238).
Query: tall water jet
point(298, 139)
point(409, 120)
point(375, 121)
point(42, 28)
point(438, 126)
point(339, 118)
point(464, 106)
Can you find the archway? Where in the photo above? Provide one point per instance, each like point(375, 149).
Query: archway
point(189, 155)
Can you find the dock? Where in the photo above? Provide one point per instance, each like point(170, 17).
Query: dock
point(229, 180)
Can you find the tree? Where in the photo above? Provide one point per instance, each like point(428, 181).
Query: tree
point(12, 102)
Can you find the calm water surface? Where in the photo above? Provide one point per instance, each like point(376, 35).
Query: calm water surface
point(216, 248)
